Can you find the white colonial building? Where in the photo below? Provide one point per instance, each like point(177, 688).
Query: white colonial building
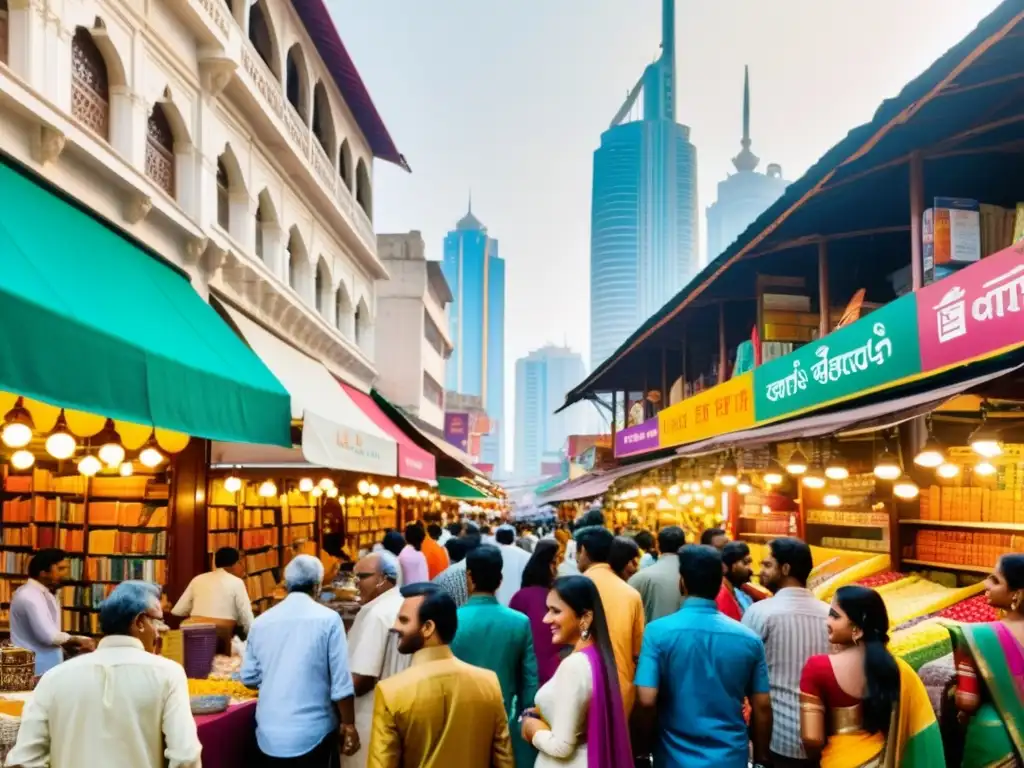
point(234, 138)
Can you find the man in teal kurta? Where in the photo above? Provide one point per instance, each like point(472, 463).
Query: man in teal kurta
point(498, 638)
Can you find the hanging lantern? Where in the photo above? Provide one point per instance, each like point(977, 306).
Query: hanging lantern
point(727, 475)
point(126, 469)
point(22, 459)
point(363, 486)
point(267, 489)
point(984, 469)
point(931, 454)
point(89, 465)
point(797, 463)
point(18, 426)
point(151, 456)
point(947, 470)
point(744, 486)
point(905, 488)
point(887, 467)
point(60, 443)
point(814, 477)
point(306, 485)
point(232, 484)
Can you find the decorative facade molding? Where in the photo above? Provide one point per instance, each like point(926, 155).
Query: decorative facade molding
point(48, 145)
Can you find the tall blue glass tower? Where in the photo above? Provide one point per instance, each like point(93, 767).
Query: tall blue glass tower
point(643, 233)
point(476, 274)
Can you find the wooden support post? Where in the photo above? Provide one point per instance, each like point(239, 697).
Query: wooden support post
point(682, 369)
point(916, 217)
point(824, 303)
point(664, 377)
point(723, 363)
point(615, 412)
point(186, 551)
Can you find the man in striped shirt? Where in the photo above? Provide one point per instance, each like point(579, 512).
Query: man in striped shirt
point(792, 626)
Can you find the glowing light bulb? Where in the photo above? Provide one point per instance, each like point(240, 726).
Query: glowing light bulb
point(326, 483)
point(61, 443)
point(985, 468)
point(374, 489)
point(947, 470)
point(317, 492)
point(332, 492)
point(267, 489)
point(905, 488)
point(388, 492)
point(232, 484)
point(126, 469)
point(832, 500)
point(306, 485)
point(363, 486)
point(22, 459)
point(18, 426)
point(89, 465)
point(112, 454)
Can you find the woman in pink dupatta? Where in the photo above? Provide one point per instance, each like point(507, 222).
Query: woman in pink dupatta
point(585, 682)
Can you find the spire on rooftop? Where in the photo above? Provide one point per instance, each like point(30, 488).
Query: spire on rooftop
point(746, 160)
point(469, 221)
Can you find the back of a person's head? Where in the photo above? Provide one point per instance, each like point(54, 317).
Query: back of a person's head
point(700, 567)
point(794, 553)
point(128, 600)
point(333, 544)
point(454, 528)
point(434, 531)
point(537, 572)
point(484, 565)
point(671, 539)
point(226, 557)
point(470, 528)
point(505, 535)
point(623, 550)
point(393, 542)
point(644, 540)
point(485, 530)
point(707, 538)
point(734, 552)
point(414, 534)
point(471, 541)
point(43, 560)
point(304, 573)
point(597, 541)
point(456, 549)
point(437, 606)
point(591, 517)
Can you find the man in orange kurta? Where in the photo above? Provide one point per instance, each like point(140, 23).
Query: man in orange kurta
point(437, 556)
point(623, 606)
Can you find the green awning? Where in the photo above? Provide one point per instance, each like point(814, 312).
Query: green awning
point(457, 489)
point(91, 321)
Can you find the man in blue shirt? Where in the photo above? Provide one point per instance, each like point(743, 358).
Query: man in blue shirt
point(696, 667)
point(298, 658)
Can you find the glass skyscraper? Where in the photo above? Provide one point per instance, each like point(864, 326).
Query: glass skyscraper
point(476, 274)
point(644, 224)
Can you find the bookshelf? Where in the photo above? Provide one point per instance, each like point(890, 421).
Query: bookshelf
point(113, 528)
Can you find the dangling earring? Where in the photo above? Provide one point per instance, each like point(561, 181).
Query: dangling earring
point(585, 633)
point(1015, 602)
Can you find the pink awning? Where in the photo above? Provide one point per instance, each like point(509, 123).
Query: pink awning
point(414, 463)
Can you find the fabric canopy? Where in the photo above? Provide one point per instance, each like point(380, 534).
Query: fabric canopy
point(595, 484)
point(413, 462)
point(94, 323)
point(335, 432)
point(457, 489)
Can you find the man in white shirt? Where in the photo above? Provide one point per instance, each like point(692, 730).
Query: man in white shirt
point(514, 560)
point(35, 614)
point(120, 707)
point(219, 594)
point(372, 646)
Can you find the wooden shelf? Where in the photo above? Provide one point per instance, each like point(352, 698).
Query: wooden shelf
point(947, 566)
point(753, 535)
point(965, 525)
point(849, 525)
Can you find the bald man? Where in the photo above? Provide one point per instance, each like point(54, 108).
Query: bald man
point(372, 648)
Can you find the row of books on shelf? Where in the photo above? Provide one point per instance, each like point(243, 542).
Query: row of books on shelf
point(373, 523)
point(40, 509)
point(68, 539)
point(44, 481)
point(973, 548)
point(215, 541)
point(123, 568)
point(775, 526)
point(84, 596)
point(976, 505)
point(8, 587)
point(259, 561)
point(261, 537)
point(847, 517)
point(260, 585)
point(855, 543)
point(80, 622)
point(114, 542)
point(16, 564)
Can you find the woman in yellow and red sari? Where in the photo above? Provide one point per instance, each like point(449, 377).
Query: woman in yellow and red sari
point(861, 707)
point(990, 674)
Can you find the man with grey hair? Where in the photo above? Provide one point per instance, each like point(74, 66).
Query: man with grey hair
point(298, 658)
point(121, 706)
point(372, 647)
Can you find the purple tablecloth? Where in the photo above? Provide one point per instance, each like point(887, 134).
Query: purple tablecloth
point(229, 738)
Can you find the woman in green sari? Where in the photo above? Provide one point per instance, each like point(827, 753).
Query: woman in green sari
point(990, 674)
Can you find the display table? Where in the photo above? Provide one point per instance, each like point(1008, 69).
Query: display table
point(229, 737)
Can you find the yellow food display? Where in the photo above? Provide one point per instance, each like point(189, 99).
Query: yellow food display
point(909, 598)
point(230, 688)
point(855, 572)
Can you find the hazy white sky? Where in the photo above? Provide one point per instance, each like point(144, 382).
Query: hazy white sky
point(509, 98)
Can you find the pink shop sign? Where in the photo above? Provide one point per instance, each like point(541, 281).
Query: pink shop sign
point(975, 313)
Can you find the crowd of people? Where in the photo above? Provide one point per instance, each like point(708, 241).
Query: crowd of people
point(533, 648)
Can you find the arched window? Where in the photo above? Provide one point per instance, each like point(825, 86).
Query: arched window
point(364, 195)
point(345, 164)
point(360, 312)
point(259, 34)
point(343, 312)
point(265, 217)
point(223, 196)
point(322, 288)
point(362, 325)
point(160, 150)
point(90, 87)
point(323, 123)
point(298, 266)
point(295, 83)
point(3, 30)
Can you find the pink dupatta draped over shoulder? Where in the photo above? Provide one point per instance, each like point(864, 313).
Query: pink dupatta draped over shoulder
point(607, 733)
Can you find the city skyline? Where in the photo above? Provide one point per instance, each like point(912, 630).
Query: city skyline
point(462, 126)
point(644, 222)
